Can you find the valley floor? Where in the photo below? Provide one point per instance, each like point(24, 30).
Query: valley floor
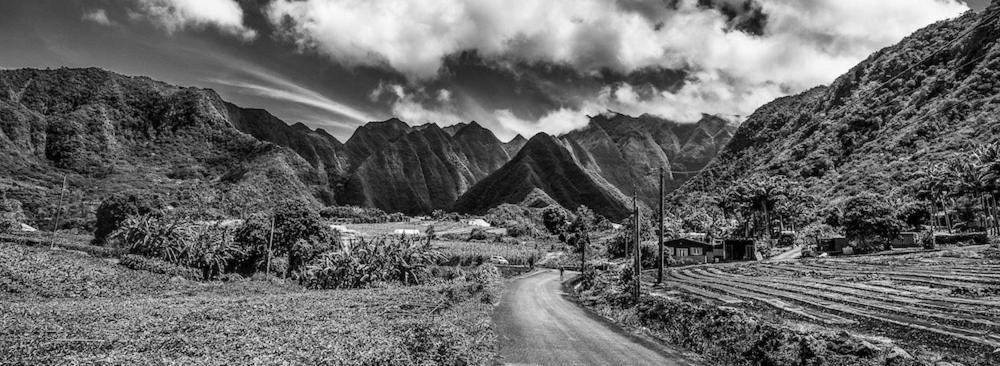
point(67, 307)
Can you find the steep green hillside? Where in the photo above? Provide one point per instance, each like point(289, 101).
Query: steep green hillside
point(881, 126)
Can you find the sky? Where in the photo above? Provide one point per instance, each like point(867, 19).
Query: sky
point(517, 67)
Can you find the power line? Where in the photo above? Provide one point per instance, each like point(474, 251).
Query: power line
point(932, 54)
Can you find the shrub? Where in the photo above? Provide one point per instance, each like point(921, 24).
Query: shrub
point(977, 238)
point(361, 215)
point(140, 263)
point(209, 248)
point(116, 209)
point(252, 237)
point(367, 263)
point(478, 234)
point(11, 215)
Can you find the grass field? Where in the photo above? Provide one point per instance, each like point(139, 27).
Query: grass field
point(67, 307)
point(948, 301)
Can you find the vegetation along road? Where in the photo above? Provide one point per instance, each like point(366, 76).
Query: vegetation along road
point(537, 325)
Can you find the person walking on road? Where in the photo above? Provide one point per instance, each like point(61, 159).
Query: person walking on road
point(561, 269)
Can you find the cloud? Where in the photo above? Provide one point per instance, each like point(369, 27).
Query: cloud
point(99, 16)
point(270, 85)
point(410, 105)
point(738, 54)
point(175, 15)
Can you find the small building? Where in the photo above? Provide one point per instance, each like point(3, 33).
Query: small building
point(740, 250)
point(832, 245)
point(905, 240)
point(28, 229)
point(684, 249)
point(479, 223)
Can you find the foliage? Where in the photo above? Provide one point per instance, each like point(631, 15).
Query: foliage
point(132, 317)
point(209, 248)
point(556, 220)
point(621, 242)
point(478, 233)
point(870, 220)
point(11, 215)
point(118, 207)
point(360, 215)
point(154, 265)
point(300, 234)
point(370, 262)
point(519, 221)
point(460, 253)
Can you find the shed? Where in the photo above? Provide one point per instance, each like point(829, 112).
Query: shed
point(687, 249)
point(905, 240)
point(832, 245)
point(740, 249)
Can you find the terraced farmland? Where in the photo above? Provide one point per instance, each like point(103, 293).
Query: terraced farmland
point(949, 302)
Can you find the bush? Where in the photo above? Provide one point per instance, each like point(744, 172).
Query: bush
point(977, 238)
point(360, 215)
point(478, 234)
point(11, 215)
point(368, 263)
point(209, 248)
point(140, 263)
point(116, 209)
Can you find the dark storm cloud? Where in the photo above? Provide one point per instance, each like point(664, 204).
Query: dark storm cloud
point(542, 65)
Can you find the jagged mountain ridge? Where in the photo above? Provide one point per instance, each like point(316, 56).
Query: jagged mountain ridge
point(881, 126)
point(104, 122)
point(614, 155)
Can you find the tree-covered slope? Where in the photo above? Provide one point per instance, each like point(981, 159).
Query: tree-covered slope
point(881, 126)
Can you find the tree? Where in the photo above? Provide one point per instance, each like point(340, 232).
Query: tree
point(557, 220)
point(869, 220)
point(299, 232)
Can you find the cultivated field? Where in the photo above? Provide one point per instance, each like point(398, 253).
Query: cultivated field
point(67, 307)
point(947, 299)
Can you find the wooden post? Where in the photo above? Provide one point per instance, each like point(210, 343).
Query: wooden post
point(269, 244)
point(659, 256)
point(55, 223)
point(637, 261)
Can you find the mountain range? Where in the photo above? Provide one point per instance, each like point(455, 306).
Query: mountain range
point(105, 132)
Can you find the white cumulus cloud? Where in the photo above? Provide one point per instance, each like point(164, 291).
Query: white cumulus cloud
point(175, 15)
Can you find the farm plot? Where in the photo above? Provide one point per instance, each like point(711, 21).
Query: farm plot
point(917, 296)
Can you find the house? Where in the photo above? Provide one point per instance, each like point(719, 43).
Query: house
point(28, 229)
point(905, 240)
point(688, 250)
point(832, 245)
point(479, 223)
point(740, 250)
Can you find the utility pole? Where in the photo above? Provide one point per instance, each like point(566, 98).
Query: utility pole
point(636, 260)
point(659, 260)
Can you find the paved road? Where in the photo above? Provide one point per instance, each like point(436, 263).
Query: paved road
point(537, 325)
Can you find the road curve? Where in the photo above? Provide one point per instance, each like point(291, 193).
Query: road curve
point(538, 325)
